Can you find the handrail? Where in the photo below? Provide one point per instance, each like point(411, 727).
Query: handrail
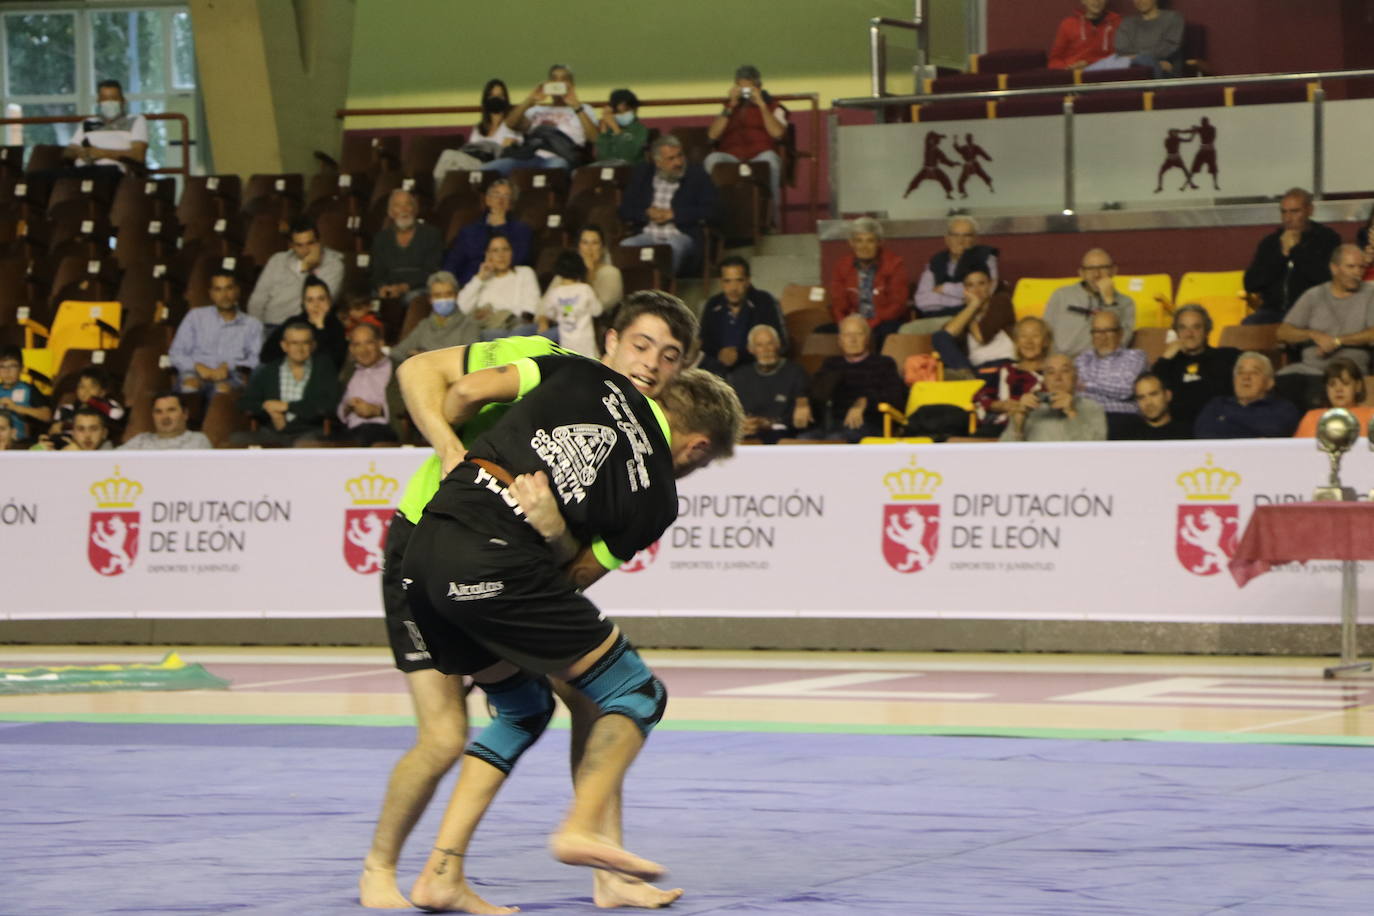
point(185, 168)
point(812, 98)
point(877, 45)
point(1089, 88)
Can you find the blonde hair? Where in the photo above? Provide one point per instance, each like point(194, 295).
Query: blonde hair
point(698, 401)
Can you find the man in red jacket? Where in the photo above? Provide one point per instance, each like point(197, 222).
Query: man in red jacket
point(874, 283)
point(750, 128)
point(1085, 37)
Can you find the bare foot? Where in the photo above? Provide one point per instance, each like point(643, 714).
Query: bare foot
point(377, 889)
point(446, 897)
point(614, 890)
point(586, 849)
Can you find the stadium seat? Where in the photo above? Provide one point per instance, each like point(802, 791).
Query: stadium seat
point(1152, 341)
point(1153, 295)
point(1008, 61)
point(1033, 293)
point(422, 151)
point(83, 325)
point(800, 325)
point(744, 197)
point(39, 368)
point(965, 82)
point(1222, 293)
point(957, 393)
point(816, 349)
point(900, 346)
point(1262, 338)
point(795, 298)
point(1224, 310)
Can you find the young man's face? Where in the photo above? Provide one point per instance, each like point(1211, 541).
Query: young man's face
point(734, 283)
point(305, 244)
point(224, 293)
point(9, 371)
point(646, 353)
point(1152, 398)
point(1192, 332)
point(88, 433)
point(169, 417)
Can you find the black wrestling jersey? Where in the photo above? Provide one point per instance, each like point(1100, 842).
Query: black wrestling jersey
point(603, 444)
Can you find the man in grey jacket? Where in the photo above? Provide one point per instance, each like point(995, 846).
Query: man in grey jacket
point(1059, 413)
point(1153, 39)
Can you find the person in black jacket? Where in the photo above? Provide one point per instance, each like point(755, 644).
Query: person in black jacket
point(317, 310)
point(668, 203)
point(1290, 260)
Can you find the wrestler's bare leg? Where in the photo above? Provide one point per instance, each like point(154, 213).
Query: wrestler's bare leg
point(609, 889)
point(442, 885)
point(612, 745)
point(441, 733)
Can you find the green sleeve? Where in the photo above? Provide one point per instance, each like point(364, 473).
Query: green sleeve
point(420, 489)
point(604, 556)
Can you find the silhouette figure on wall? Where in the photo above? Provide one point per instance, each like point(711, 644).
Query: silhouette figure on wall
point(971, 153)
point(930, 166)
point(1205, 157)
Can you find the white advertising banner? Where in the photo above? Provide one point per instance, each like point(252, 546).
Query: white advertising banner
point(1111, 531)
point(1348, 145)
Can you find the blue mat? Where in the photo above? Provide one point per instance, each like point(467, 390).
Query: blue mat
point(142, 819)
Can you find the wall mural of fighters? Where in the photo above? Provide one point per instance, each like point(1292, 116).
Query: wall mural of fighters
point(1205, 133)
point(934, 157)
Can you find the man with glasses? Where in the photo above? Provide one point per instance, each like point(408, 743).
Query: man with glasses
point(290, 397)
point(940, 292)
point(1107, 372)
point(1071, 308)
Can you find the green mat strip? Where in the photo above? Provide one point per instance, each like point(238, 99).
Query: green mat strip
point(1074, 734)
point(169, 674)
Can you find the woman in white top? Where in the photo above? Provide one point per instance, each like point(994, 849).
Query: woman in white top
point(603, 276)
point(490, 135)
point(571, 303)
point(499, 292)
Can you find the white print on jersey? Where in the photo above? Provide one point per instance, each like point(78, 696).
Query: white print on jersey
point(619, 408)
point(574, 455)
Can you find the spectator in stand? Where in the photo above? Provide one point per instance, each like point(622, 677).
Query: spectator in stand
point(21, 399)
point(623, 136)
point(1155, 420)
point(501, 294)
point(977, 334)
point(93, 391)
point(1056, 414)
point(358, 310)
point(768, 386)
point(555, 124)
point(848, 389)
point(290, 397)
point(604, 276)
point(1344, 388)
point(101, 143)
point(940, 292)
point(999, 396)
point(405, 251)
point(1335, 319)
point(571, 303)
point(1070, 309)
point(873, 284)
point(469, 247)
point(1290, 260)
point(1253, 412)
point(750, 128)
point(1107, 372)
point(89, 433)
point(9, 432)
point(669, 202)
point(216, 346)
point(365, 409)
point(1153, 40)
point(728, 318)
point(1193, 370)
point(1084, 37)
point(277, 295)
point(317, 310)
point(490, 135)
point(443, 327)
point(1365, 243)
point(169, 427)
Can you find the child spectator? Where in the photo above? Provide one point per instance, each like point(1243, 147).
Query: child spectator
point(573, 304)
point(92, 390)
point(21, 399)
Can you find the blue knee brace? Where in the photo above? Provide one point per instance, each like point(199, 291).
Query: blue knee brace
point(522, 706)
point(621, 683)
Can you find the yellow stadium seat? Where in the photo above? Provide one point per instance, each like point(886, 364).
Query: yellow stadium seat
point(959, 393)
point(1221, 293)
point(1032, 293)
point(1153, 295)
point(39, 368)
point(85, 326)
point(1225, 311)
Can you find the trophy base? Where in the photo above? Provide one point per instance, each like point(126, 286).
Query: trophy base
point(1335, 494)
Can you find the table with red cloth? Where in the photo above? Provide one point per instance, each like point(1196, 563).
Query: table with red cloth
point(1298, 532)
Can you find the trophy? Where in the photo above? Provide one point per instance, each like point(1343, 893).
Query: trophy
point(1337, 431)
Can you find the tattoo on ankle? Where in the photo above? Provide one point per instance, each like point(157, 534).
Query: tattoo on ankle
point(443, 863)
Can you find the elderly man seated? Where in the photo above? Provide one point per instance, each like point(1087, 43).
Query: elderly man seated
point(1071, 307)
point(940, 290)
point(768, 386)
point(1253, 412)
point(1056, 414)
point(872, 283)
point(846, 392)
point(1335, 319)
point(1107, 373)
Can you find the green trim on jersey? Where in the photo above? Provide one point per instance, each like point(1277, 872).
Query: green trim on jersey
point(424, 483)
point(603, 554)
point(662, 421)
point(529, 376)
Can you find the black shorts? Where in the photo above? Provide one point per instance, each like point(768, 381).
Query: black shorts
point(481, 596)
point(407, 645)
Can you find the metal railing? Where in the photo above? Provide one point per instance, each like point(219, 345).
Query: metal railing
point(812, 151)
point(1069, 92)
point(184, 170)
point(877, 45)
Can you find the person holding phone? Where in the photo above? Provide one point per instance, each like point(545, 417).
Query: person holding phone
point(551, 111)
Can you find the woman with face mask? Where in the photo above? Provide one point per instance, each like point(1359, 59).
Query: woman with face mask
point(490, 135)
point(444, 326)
point(623, 136)
point(317, 307)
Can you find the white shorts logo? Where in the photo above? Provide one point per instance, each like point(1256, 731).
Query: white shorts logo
point(475, 591)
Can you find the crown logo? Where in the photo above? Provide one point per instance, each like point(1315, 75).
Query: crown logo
point(117, 492)
point(371, 489)
point(1208, 483)
point(914, 482)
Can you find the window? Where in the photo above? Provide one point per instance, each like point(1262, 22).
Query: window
point(54, 57)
